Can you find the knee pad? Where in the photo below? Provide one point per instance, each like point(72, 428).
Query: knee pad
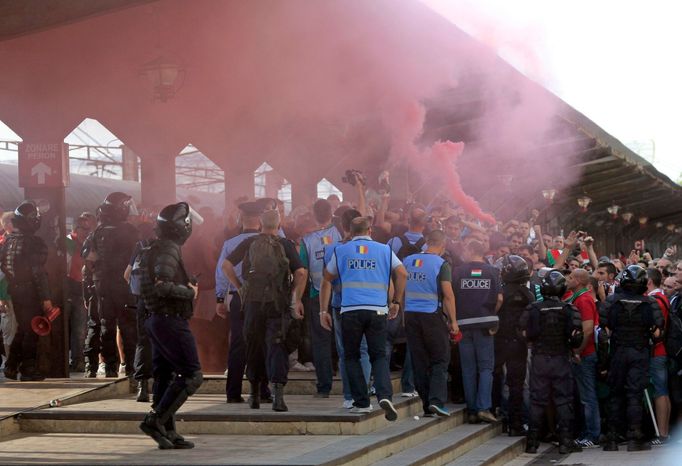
point(193, 382)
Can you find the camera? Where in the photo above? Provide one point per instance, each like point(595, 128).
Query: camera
point(353, 177)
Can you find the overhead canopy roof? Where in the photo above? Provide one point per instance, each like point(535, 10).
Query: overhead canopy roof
point(315, 88)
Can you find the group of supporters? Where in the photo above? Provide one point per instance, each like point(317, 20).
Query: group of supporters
point(526, 328)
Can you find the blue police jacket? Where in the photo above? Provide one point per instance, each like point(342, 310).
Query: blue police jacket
point(222, 284)
point(336, 283)
point(364, 268)
point(314, 244)
point(421, 290)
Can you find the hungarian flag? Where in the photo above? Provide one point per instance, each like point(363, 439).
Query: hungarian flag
point(476, 272)
point(417, 263)
point(326, 240)
point(361, 249)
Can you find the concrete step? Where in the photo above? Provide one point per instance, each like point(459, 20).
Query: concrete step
point(300, 383)
point(445, 447)
point(209, 414)
point(495, 452)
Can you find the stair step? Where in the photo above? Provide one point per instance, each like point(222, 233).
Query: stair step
point(360, 450)
point(444, 447)
point(209, 414)
point(496, 451)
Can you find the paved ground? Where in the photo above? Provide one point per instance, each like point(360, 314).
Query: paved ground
point(669, 455)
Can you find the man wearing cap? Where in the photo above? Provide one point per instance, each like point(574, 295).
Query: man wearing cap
point(312, 255)
point(226, 295)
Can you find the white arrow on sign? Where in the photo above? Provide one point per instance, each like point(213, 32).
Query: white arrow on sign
point(41, 170)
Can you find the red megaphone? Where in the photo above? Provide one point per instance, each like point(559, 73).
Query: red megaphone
point(43, 325)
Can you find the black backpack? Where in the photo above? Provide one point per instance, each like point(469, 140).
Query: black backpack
point(267, 278)
point(407, 248)
point(140, 267)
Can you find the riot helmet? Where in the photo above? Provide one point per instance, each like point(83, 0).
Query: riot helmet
point(26, 218)
point(633, 279)
point(174, 222)
point(553, 284)
point(116, 208)
point(514, 269)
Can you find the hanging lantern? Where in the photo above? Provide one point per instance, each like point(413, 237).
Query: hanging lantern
point(584, 202)
point(627, 216)
point(613, 210)
point(165, 76)
point(671, 228)
point(643, 220)
point(678, 230)
point(659, 224)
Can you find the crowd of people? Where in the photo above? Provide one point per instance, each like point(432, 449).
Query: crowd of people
point(535, 330)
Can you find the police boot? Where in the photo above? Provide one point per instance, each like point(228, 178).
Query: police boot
point(110, 370)
point(635, 442)
point(278, 404)
point(152, 427)
point(611, 442)
point(532, 442)
point(178, 440)
point(567, 445)
point(517, 431)
point(90, 369)
point(11, 366)
point(29, 372)
point(254, 398)
point(143, 391)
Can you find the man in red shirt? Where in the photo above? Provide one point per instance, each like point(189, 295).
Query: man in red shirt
point(658, 366)
point(585, 364)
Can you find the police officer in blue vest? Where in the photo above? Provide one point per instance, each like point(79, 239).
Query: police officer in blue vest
point(312, 256)
point(226, 293)
point(365, 268)
point(427, 294)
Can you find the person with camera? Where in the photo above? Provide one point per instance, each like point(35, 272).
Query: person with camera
point(269, 301)
point(312, 256)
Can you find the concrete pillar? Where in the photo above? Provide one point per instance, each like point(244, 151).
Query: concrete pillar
point(130, 165)
point(304, 191)
point(238, 183)
point(158, 181)
point(44, 175)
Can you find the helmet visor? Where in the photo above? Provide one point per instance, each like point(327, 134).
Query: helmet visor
point(194, 215)
point(132, 208)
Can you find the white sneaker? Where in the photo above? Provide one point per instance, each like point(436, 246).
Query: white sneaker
point(409, 394)
point(225, 373)
point(298, 367)
point(309, 367)
point(389, 410)
point(102, 369)
point(356, 410)
point(348, 404)
point(122, 369)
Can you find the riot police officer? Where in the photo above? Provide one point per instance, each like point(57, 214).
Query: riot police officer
point(510, 347)
point(22, 260)
point(168, 294)
point(554, 328)
point(631, 319)
point(110, 247)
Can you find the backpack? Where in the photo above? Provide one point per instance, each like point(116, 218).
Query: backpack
point(267, 278)
point(673, 337)
point(407, 248)
point(140, 268)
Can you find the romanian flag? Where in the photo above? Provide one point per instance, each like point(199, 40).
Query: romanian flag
point(326, 240)
point(476, 272)
point(417, 263)
point(361, 249)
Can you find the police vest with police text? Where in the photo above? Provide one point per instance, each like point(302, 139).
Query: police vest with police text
point(314, 244)
point(364, 268)
point(421, 290)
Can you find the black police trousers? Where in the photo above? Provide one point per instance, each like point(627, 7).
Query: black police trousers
point(551, 378)
point(627, 379)
point(112, 299)
point(175, 361)
point(236, 358)
point(267, 358)
point(428, 338)
point(143, 349)
point(24, 348)
point(510, 353)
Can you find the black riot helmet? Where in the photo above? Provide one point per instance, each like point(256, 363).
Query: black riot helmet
point(633, 279)
point(553, 284)
point(116, 208)
point(514, 269)
point(174, 222)
point(26, 218)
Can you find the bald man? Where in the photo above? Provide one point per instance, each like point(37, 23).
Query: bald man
point(585, 363)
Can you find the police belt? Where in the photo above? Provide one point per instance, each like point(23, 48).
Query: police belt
point(478, 320)
point(169, 312)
